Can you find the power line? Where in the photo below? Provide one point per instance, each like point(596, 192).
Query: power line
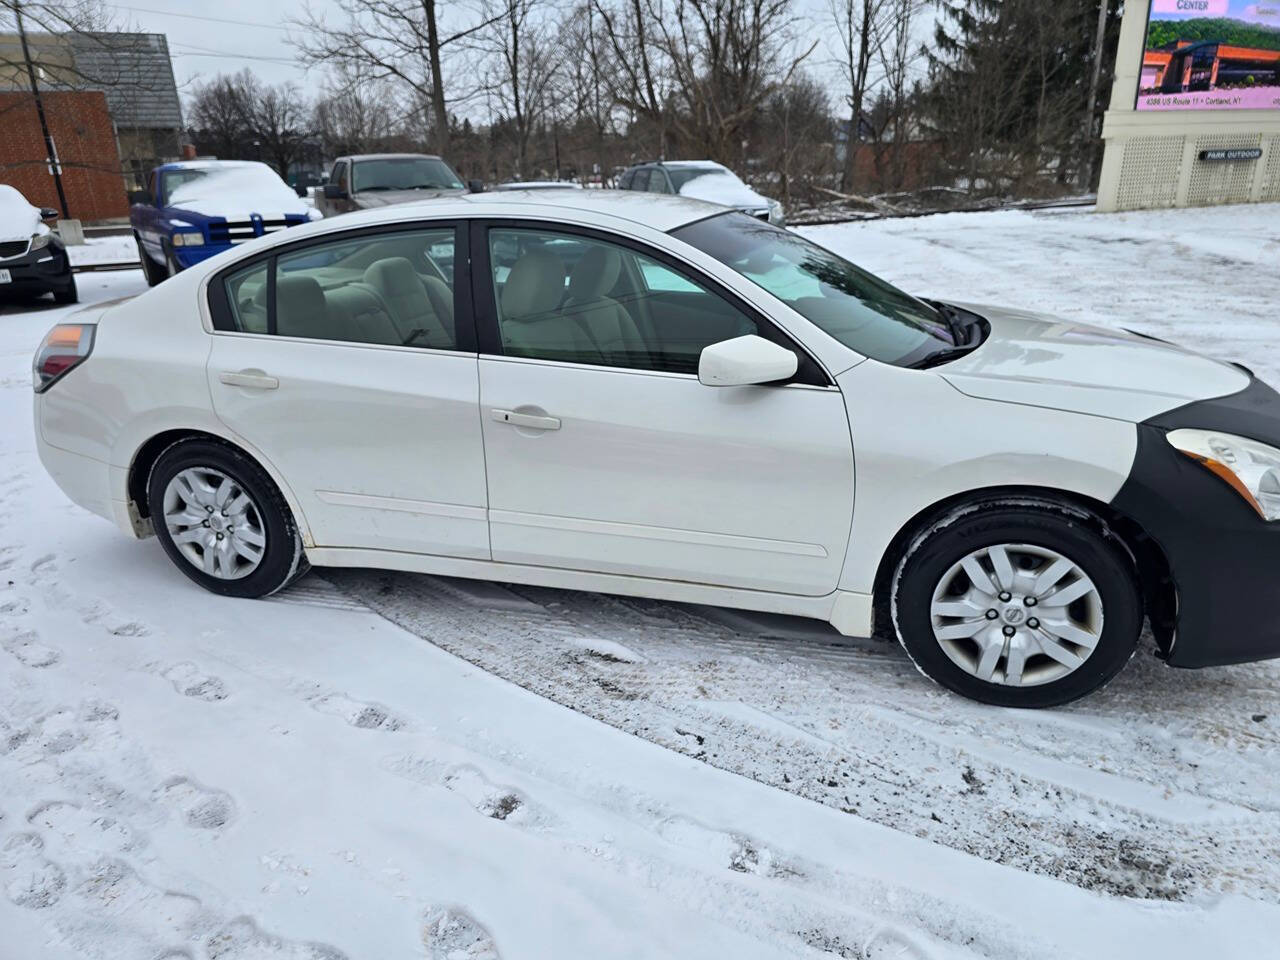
point(193, 16)
point(234, 56)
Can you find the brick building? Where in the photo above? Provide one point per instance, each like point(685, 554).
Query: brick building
point(112, 106)
point(80, 125)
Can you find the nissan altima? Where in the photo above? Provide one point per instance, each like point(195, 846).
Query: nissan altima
point(653, 396)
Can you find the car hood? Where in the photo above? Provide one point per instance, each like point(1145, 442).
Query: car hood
point(1049, 362)
point(737, 195)
point(369, 200)
point(18, 219)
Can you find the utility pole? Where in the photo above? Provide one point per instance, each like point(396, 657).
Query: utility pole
point(50, 151)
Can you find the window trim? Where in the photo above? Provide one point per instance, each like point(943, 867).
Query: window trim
point(464, 318)
point(809, 372)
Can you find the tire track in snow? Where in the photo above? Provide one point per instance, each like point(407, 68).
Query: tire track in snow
point(1100, 794)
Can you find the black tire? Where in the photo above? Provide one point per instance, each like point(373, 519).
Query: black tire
point(171, 267)
point(282, 559)
point(67, 294)
point(1066, 530)
point(154, 272)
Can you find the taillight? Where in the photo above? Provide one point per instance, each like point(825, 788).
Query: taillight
point(64, 348)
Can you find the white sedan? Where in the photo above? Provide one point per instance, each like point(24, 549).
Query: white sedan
point(654, 396)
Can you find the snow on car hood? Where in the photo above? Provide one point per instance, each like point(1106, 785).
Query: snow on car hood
point(1048, 362)
point(235, 191)
point(18, 219)
point(725, 189)
point(370, 199)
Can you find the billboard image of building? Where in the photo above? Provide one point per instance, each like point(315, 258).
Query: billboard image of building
point(1211, 55)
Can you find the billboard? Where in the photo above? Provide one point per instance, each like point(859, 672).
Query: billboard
point(1211, 55)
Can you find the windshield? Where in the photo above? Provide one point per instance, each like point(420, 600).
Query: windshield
point(404, 173)
point(860, 310)
point(682, 175)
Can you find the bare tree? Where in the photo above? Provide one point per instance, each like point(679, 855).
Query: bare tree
point(522, 52)
point(896, 54)
point(643, 81)
point(239, 117)
point(395, 39)
point(355, 114)
point(727, 57)
point(857, 23)
point(583, 88)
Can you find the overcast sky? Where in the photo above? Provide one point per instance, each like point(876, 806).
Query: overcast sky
point(210, 38)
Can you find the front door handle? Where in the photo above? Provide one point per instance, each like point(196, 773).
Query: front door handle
point(525, 420)
point(249, 378)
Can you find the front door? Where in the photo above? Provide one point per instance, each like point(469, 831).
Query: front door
point(605, 453)
point(347, 366)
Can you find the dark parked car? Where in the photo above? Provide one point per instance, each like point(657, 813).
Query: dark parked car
point(33, 259)
point(381, 179)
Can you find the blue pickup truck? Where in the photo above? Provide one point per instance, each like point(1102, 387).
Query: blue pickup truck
point(197, 208)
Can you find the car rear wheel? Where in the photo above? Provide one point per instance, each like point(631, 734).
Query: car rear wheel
point(154, 272)
point(222, 520)
point(1019, 604)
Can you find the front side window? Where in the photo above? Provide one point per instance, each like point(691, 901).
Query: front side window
point(582, 300)
point(394, 289)
point(403, 173)
point(860, 310)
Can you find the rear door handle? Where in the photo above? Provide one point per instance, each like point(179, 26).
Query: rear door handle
point(246, 378)
point(525, 420)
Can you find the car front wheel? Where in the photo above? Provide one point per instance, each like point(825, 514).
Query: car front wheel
point(153, 271)
point(1020, 604)
point(222, 520)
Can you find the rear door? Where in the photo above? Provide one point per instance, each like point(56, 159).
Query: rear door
point(350, 364)
point(604, 451)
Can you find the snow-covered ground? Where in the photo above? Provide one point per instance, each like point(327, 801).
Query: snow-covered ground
point(382, 765)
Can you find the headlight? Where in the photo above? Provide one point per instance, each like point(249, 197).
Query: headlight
point(1252, 469)
point(190, 239)
point(40, 240)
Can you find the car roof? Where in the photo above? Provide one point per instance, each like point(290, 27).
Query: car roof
point(683, 164)
point(694, 164)
point(208, 164)
point(389, 156)
point(663, 212)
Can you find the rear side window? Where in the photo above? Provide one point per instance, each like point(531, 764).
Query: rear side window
point(624, 182)
point(394, 289)
point(247, 297)
point(658, 181)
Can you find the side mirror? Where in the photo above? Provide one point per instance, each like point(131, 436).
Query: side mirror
point(475, 186)
point(334, 191)
point(745, 360)
point(140, 196)
point(48, 213)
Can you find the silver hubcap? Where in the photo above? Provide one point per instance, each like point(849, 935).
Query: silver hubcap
point(1017, 614)
point(214, 523)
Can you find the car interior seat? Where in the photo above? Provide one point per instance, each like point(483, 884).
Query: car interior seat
point(533, 324)
point(412, 309)
point(604, 320)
